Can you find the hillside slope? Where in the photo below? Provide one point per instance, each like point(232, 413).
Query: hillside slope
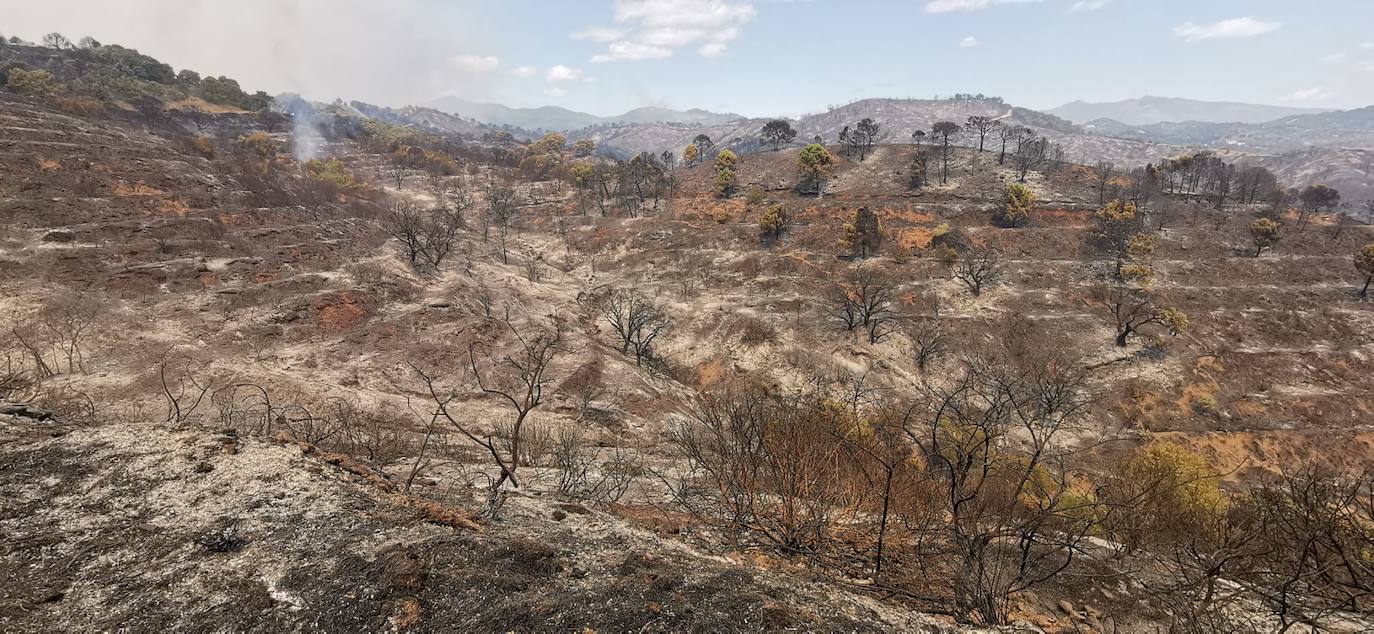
point(1350, 171)
point(147, 527)
point(214, 268)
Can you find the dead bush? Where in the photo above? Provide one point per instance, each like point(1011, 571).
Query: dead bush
point(88, 185)
point(574, 460)
point(755, 332)
point(382, 284)
point(978, 269)
point(80, 106)
point(533, 264)
point(585, 384)
point(618, 472)
point(184, 385)
point(373, 434)
point(518, 379)
point(766, 466)
point(536, 441)
point(483, 301)
point(246, 408)
point(22, 384)
point(261, 179)
point(637, 321)
point(199, 145)
point(427, 238)
point(16, 376)
point(929, 341)
point(54, 340)
point(585, 474)
point(805, 359)
point(863, 300)
point(65, 403)
point(332, 424)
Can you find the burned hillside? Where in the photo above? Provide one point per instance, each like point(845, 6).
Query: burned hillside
point(374, 375)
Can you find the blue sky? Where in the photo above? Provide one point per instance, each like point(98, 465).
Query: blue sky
point(755, 57)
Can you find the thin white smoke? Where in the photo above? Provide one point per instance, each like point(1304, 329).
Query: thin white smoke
point(305, 135)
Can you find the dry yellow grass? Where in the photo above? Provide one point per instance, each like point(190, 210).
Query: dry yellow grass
point(174, 207)
point(1204, 387)
point(196, 104)
point(915, 238)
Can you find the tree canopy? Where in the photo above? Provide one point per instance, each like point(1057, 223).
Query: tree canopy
point(1016, 204)
point(863, 233)
point(725, 181)
point(813, 168)
point(778, 132)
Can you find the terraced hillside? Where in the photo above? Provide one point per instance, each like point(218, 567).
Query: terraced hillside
point(1281, 342)
point(186, 299)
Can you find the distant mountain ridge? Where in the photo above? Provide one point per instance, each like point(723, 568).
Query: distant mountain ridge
point(897, 119)
point(562, 119)
point(1151, 110)
point(1335, 129)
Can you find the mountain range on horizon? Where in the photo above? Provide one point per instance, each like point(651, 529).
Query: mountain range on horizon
point(559, 118)
point(1140, 111)
point(1150, 110)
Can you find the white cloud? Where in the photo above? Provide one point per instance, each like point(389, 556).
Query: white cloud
point(555, 92)
point(626, 50)
point(1089, 5)
point(599, 34)
point(1334, 58)
point(951, 6)
point(1238, 27)
point(525, 71)
point(1367, 45)
point(653, 29)
point(712, 49)
point(1367, 66)
point(475, 63)
point(1315, 93)
point(968, 42)
point(562, 73)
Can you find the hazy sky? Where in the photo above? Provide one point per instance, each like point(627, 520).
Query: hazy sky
point(754, 57)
